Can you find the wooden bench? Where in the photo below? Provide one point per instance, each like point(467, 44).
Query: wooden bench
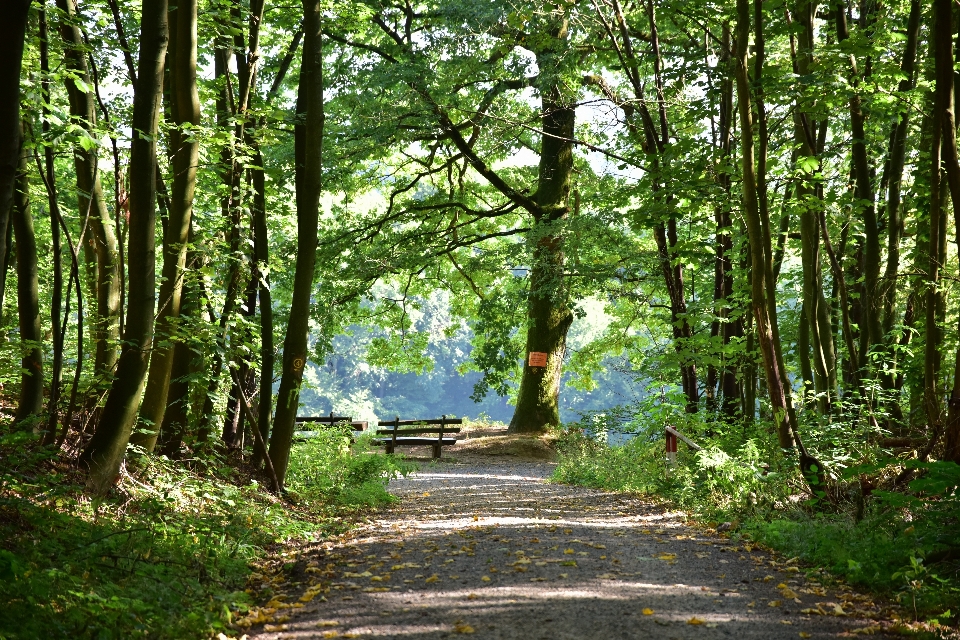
point(410, 433)
point(356, 425)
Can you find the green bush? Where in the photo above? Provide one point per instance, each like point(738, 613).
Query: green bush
point(332, 469)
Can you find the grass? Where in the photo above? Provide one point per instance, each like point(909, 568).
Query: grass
point(169, 552)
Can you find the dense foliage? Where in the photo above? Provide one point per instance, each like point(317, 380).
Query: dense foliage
point(737, 217)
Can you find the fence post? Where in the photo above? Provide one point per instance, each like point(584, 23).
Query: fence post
point(671, 440)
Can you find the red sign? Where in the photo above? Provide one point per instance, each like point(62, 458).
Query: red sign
point(538, 359)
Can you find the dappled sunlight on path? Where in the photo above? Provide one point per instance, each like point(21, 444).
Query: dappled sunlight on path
point(493, 550)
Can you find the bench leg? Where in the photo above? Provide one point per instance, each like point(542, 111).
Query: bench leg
point(389, 448)
point(436, 451)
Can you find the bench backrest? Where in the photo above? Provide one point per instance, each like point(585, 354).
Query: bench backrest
point(357, 425)
point(419, 426)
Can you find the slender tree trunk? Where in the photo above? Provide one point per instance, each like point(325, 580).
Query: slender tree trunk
point(814, 302)
point(723, 286)
point(185, 147)
point(13, 29)
point(50, 180)
point(176, 417)
point(90, 196)
point(308, 144)
point(778, 382)
point(945, 114)
point(942, 41)
point(28, 302)
point(7, 240)
point(262, 248)
point(104, 453)
point(870, 328)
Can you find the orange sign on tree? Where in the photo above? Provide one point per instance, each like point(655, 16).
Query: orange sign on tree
point(538, 359)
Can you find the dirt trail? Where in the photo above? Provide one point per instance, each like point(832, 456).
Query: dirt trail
point(483, 546)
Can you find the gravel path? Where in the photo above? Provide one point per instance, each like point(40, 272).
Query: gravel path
point(485, 546)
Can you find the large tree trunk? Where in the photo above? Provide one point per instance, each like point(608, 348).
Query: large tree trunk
point(13, 29)
point(185, 147)
point(28, 302)
point(90, 196)
point(548, 311)
point(104, 453)
point(308, 141)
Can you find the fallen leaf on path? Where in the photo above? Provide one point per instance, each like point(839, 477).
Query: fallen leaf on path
point(695, 620)
point(463, 628)
point(328, 623)
point(433, 578)
point(647, 611)
point(867, 631)
point(485, 579)
point(804, 634)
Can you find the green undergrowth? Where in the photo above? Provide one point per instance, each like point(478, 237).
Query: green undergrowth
point(167, 554)
point(900, 544)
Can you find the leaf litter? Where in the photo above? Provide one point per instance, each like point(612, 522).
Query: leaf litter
point(380, 578)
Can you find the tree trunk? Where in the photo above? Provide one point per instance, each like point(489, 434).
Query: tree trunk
point(814, 302)
point(870, 328)
point(104, 453)
point(262, 248)
point(185, 147)
point(942, 41)
point(548, 312)
point(944, 116)
point(50, 181)
point(778, 382)
point(13, 29)
point(176, 417)
point(90, 196)
point(28, 303)
point(308, 145)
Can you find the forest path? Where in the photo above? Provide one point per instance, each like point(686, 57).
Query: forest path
point(483, 545)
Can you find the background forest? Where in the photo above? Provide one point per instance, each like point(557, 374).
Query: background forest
point(739, 218)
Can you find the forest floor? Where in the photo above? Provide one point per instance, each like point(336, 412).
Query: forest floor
point(480, 543)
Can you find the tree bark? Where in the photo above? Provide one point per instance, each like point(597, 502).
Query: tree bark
point(48, 175)
point(308, 145)
point(176, 417)
point(943, 100)
point(185, 147)
point(90, 195)
point(13, 29)
point(944, 115)
point(778, 381)
point(261, 245)
point(814, 302)
point(548, 312)
point(104, 453)
point(28, 303)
